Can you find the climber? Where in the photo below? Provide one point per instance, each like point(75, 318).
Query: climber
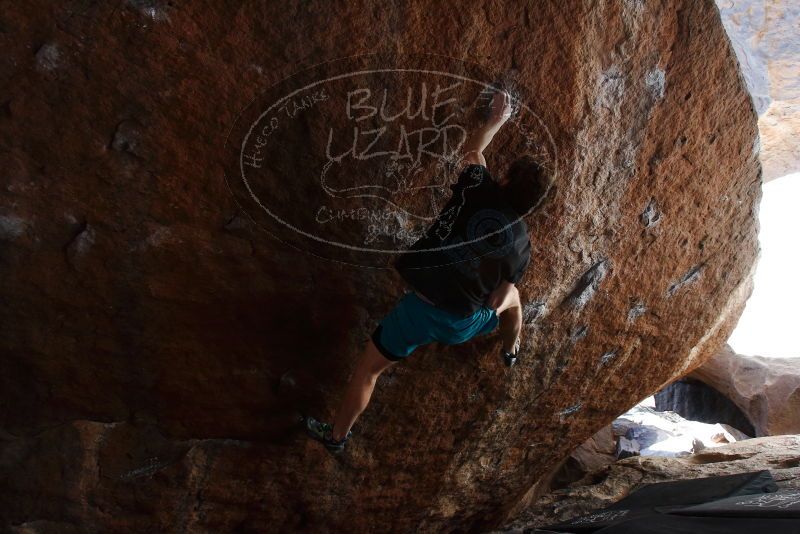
point(462, 273)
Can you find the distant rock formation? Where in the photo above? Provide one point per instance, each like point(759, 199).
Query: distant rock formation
point(696, 400)
point(157, 345)
point(766, 389)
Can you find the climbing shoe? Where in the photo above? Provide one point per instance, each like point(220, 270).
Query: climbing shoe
point(510, 358)
point(322, 432)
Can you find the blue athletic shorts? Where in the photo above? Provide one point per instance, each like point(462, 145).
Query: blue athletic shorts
point(414, 322)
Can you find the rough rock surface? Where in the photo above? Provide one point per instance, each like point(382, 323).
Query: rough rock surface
point(697, 401)
point(766, 389)
point(778, 454)
point(156, 344)
point(766, 37)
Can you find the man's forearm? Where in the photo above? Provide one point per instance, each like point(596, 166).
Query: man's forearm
point(481, 137)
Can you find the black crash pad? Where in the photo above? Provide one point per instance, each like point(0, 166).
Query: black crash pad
point(696, 505)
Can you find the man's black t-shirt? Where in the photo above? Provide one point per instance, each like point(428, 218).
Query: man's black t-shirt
point(476, 242)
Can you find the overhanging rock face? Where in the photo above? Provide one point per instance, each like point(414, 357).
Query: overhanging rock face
point(156, 343)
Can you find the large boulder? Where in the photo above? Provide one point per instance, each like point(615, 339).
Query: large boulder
point(766, 389)
point(157, 344)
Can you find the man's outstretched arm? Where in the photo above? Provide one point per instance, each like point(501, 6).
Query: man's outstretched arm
point(478, 140)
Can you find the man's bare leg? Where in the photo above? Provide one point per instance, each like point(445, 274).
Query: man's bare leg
point(510, 313)
point(369, 367)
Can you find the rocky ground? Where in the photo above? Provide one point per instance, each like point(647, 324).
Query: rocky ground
point(778, 454)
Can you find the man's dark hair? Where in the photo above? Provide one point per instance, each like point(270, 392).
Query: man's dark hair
point(528, 182)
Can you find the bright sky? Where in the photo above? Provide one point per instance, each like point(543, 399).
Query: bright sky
point(770, 324)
